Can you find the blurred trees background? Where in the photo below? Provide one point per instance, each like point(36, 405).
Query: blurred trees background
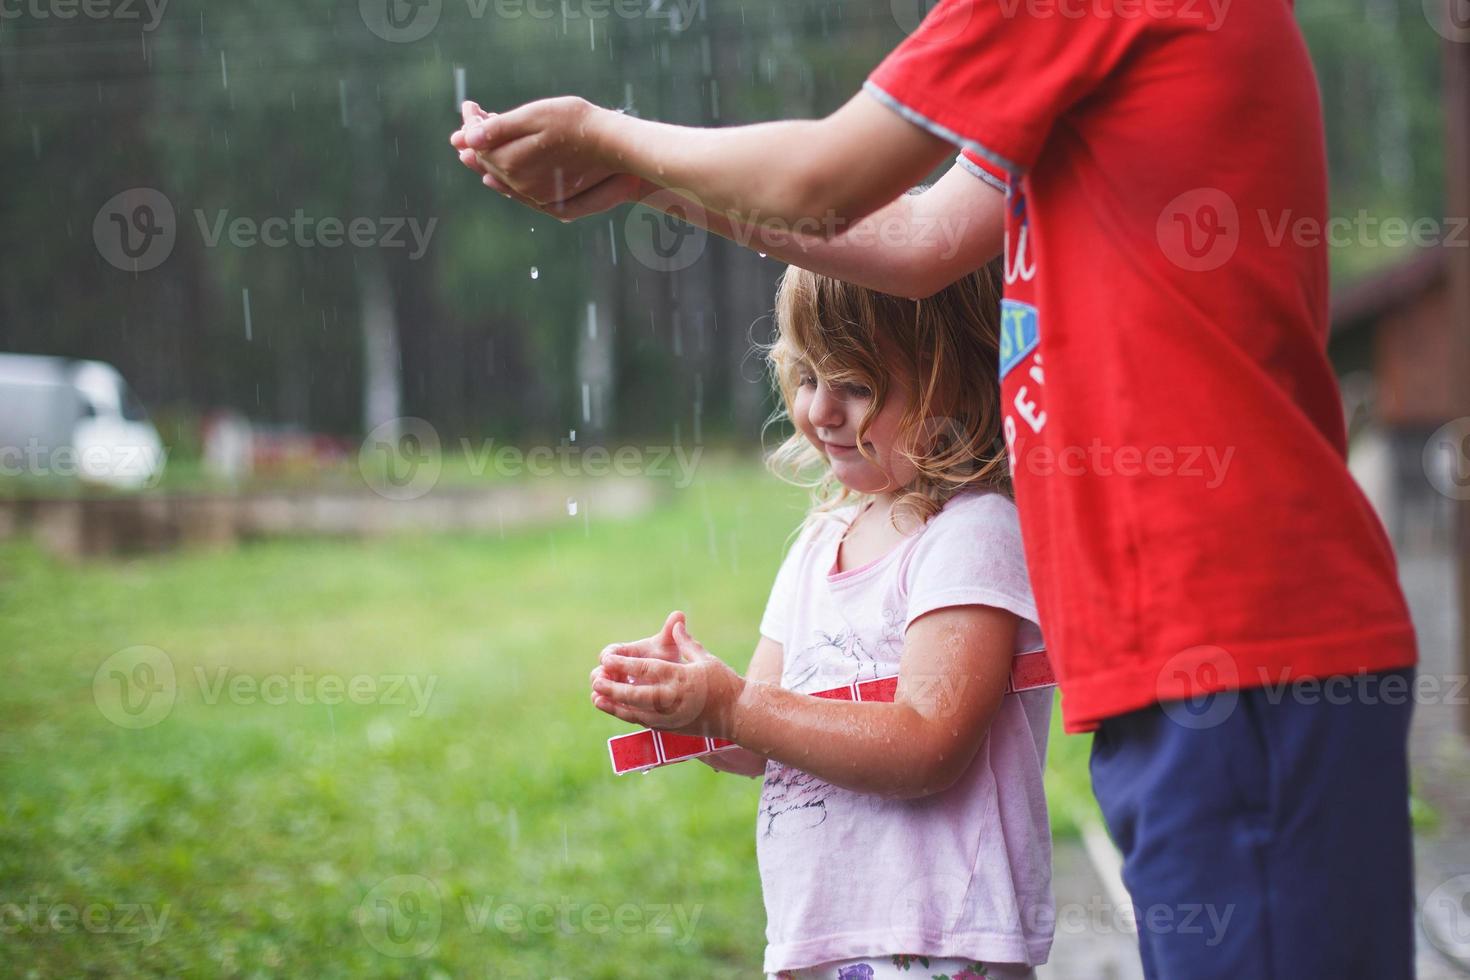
point(507, 325)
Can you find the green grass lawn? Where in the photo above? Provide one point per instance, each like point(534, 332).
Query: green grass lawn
point(469, 828)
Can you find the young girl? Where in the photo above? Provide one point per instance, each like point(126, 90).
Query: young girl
point(894, 839)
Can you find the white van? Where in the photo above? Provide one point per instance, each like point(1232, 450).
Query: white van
point(74, 419)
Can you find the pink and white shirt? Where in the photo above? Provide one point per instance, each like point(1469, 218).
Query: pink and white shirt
point(961, 873)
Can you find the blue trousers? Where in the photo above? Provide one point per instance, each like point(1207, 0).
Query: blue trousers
point(1265, 833)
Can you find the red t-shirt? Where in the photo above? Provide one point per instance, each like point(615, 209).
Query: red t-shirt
point(1176, 432)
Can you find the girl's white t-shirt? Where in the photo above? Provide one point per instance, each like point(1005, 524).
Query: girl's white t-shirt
point(961, 873)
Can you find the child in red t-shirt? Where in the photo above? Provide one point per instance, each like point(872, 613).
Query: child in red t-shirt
point(1196, 545)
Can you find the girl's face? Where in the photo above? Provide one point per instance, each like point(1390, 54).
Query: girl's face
point(828, 413)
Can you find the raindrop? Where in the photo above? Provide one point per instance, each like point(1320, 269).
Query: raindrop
point(572, 435)
point(224, 71)
point(571, 507)
point(342, 99)
point(459, 90)
point(612, 239)
point(698, 406)
point(761, 254)
point(591, 321)
point(535, 272)
point(245, 299)
point(586, 402)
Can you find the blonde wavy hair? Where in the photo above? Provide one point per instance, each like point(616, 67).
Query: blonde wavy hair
point(946, 346)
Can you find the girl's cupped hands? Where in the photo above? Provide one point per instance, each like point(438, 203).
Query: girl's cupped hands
point(669, 682)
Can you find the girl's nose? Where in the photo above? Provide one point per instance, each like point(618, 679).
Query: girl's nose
point(825, 411)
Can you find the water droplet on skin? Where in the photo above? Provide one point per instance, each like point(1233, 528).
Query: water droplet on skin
point(535, 272)
point(761, 254)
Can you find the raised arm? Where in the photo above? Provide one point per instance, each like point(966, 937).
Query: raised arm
point(913, 246)
point(951, 678)
point(834, 170)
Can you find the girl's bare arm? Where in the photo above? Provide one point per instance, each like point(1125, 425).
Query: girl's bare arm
point(765, 668)
point(951, 678)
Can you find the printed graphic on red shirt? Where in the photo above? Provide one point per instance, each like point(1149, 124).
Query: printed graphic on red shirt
point(1020, 331)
